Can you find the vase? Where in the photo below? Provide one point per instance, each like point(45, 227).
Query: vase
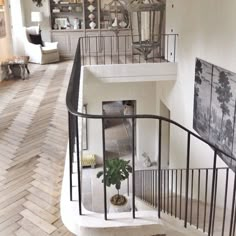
point(90, 1)
point(115, 23)
point(56, 1)
point(91, 8)
point(92, 25)
point(91, 17)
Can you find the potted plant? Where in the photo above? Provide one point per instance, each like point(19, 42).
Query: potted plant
point(117, 170)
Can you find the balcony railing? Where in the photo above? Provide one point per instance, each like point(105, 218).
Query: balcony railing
point(102, 50)
point(168, 187)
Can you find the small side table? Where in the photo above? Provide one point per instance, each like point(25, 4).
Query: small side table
point(15, 66)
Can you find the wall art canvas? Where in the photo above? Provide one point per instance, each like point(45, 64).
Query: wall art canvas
point(214, 114)
point(2, 25)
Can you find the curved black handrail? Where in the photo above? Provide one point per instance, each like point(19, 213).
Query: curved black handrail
point(72, 105)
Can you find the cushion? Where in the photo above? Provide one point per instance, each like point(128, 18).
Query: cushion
point(36, 39)
point(47, 50)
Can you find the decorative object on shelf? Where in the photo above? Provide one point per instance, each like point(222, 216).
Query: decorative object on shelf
point(39, 3)
point(78, 9)
point(91, 17)
point(115, 23)
point(76, 23)
point(2, 25)
point(148, 14)
point(55, 26)
point(56, 1)
point(147, 162)
point(56, 10)
point(91, 8)
point(91, 1)
point(122, 24)
point(61, 22)
point(116, 13)
point(92, 25)
point(116, 171)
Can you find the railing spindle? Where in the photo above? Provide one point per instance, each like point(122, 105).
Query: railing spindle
point(212, 193)
point(180, 194)
point(159, 169)
point(205, 205)
point(187, 180)
point(104, 168)
point(133, 167)
point(164, 190)
point(225, 200)
point(176, 191)
point(191, 204)
point(78, 164)
point(214, 207)
point(198, 195)
point(171, 197)
point(233, 206)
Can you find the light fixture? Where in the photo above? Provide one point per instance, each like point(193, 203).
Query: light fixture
point(118, 15)
point(146, 19)
point(36, 16)
point(2, 2)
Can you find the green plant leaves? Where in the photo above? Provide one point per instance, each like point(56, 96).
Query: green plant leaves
point(117, 170)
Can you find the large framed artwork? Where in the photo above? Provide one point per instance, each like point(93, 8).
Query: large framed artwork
point(214, 114)
point(2, 24)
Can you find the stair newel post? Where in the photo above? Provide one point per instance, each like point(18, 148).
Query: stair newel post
point(133, 167)
point(212, 193)
point(187, 180)
point(159, 170)
point(78, 164)
point(104, 168)
point(71, 150)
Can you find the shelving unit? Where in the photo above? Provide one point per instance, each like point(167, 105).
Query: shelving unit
point(72, 19)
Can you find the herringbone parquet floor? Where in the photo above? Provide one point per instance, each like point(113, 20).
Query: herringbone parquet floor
point(33, 139)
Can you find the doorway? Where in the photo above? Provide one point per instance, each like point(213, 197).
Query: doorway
point(118, 132)
point(165, 139)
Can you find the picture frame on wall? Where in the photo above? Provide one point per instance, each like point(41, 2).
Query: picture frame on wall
point(2, 24)
point(85, 129)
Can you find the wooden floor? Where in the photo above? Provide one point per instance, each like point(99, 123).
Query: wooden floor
point(33, 139)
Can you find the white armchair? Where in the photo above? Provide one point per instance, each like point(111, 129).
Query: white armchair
point(47, 53)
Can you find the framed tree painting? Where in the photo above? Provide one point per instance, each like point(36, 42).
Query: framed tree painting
point(2, 24)
point(214, 114)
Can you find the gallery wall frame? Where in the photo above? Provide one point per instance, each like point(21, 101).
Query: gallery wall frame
point(214, 112)
point(2, 24)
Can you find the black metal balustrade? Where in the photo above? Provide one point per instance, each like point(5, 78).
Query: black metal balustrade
point(171, 190)
point(102, 50)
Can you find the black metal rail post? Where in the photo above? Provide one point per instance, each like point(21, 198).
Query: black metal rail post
point(71, 151)
point(104, 169)
point(133, 167)
point(212, 193)
point(159, 170)
point(187, 180)
point(78, 165)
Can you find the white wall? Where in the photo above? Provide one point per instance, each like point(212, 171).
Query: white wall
point(5, 42)
point(206, 30)
point(96, 91)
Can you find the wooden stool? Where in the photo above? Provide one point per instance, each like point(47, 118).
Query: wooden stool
point(15, 67)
